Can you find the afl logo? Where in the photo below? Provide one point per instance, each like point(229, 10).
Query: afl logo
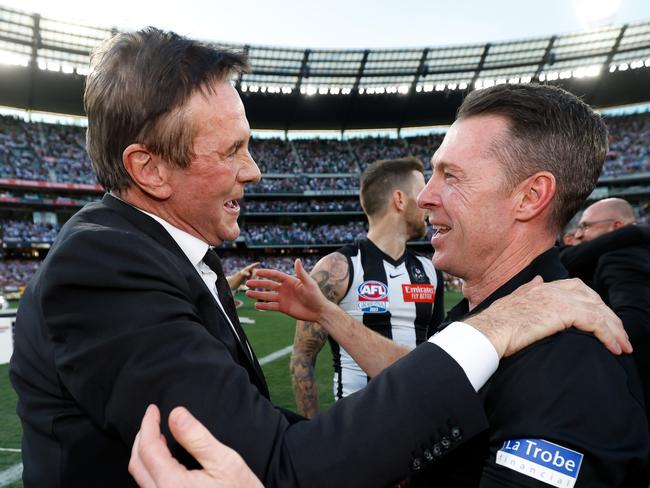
point(373, 297)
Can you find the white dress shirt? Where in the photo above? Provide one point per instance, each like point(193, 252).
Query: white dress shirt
point(194, 248)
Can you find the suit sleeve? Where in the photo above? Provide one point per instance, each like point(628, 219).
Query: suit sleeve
point(583, 403)
point(624, 277)
point(127, 334)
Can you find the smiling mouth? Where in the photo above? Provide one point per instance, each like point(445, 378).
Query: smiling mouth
point(232, 204)
point(439, 230)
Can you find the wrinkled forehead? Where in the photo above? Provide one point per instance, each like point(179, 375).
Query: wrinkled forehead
point(219, 98)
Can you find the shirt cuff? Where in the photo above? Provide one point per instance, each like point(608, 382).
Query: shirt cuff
point(470, 349)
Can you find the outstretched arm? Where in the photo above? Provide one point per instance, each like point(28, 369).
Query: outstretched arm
point(302, 299)
point(332, 274)
point(536, 310)
point(247, 272)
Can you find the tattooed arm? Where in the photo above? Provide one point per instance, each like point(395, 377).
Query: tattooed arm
point(332, 275)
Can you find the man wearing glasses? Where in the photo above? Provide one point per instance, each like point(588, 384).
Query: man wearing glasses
point(603, 217)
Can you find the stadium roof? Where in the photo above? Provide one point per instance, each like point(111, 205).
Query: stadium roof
point(44, 62)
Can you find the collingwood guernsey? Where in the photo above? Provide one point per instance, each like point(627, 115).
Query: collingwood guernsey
point(400, 299)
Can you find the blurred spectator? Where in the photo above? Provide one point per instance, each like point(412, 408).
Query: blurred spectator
point(629, 145)
point(20, 231)
point(15, 273)
point(303, 233)
point(43, 152)
point(326, 156)
point(300, 206)
point(274, 156)
point(299, 184)
point(423, 147)
point(643, 213)
point(370, 149)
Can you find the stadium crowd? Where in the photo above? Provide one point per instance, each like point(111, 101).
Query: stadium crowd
point(56, 153)
point(43, 152)
point(17, 231)
point(300, 206)
point(326, 156)
point(15, 273)
point(274, 156)
point(303, 233)
point(629, 145)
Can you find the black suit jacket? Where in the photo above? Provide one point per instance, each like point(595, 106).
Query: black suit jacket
point(117, 318)
point(566, 389)
point(617, 266)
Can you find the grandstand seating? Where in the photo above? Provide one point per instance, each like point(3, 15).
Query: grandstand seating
point(56, 153)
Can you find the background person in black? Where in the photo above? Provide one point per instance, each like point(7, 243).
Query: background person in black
point(126, 310)
point(513, 168)
point(612, 255)
point(388, 194)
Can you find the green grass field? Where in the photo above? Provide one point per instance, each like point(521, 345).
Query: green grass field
point(270, 332)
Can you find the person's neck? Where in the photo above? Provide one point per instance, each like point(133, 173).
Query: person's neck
point(515, 257)
point(143, 202)
point(388, 235)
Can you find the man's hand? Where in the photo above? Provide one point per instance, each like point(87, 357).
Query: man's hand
point(235, 280)
point(153, 466)
point(299, 297)
point(537, 310)
point(302, 299)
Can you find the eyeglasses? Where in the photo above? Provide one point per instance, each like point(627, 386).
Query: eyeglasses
point(583, 226)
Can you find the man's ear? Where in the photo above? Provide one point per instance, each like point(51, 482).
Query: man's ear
point(399, 199)
point(534, 195)
point(148, 171)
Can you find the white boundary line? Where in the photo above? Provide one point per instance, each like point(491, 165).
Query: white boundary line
point(9, 475)
point(276, 355)
point(9, 449)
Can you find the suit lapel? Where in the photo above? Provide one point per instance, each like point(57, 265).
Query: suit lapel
point(250, 359)
point(213, 316)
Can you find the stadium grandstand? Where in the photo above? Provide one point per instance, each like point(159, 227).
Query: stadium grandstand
point(319, 117)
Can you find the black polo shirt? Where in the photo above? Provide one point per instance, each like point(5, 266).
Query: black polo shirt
point(563, 412)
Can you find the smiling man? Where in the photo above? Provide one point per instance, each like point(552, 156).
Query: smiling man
point(514, 167)
point(512, 170)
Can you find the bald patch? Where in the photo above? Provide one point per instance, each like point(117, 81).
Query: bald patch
point(614, 208)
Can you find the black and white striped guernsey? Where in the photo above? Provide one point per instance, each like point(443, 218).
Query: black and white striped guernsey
point(400, 299)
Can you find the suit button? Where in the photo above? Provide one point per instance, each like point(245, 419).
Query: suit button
point(428, 455)
point(456, 434)
point(416, 465)
point(437, 449)
point(446, 443)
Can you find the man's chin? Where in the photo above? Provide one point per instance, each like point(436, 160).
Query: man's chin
point(229, 235)
point(440, 262)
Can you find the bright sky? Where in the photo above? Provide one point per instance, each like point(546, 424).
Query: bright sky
point(346, 23)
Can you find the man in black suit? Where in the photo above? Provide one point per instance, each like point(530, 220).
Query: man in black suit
point(514, 167)
point(612, 255)
point(131, 306)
